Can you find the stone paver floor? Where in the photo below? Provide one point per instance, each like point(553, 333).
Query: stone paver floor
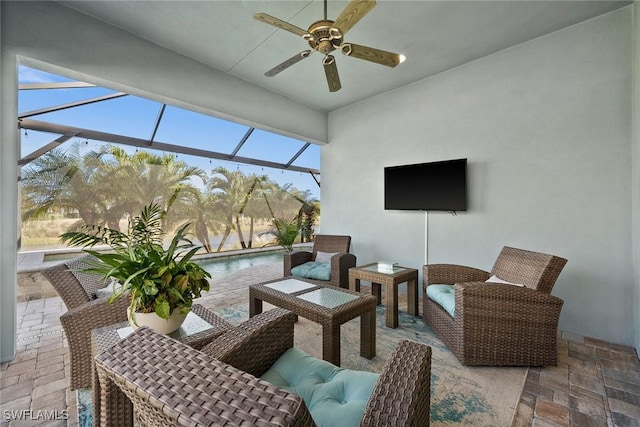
point(595, 383)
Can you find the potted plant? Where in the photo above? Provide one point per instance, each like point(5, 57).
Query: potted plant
point(161, 283)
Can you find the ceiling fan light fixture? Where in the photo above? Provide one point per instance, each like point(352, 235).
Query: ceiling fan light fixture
point(328, 60)
point(402, 58)
point(346, 48)
point(335, 33)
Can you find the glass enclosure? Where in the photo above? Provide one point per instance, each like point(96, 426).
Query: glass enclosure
point(94, 156)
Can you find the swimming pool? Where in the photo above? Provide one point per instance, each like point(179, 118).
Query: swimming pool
point(221, 266)
point(218, 265)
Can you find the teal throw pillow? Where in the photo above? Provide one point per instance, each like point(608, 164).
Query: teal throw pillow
point(313, 270)
point(445, 297)
point(335, 397)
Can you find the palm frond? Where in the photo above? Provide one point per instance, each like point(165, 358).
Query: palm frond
point(91, 235)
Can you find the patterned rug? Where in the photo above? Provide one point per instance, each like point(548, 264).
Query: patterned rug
point(85, 407)
point(460, 395)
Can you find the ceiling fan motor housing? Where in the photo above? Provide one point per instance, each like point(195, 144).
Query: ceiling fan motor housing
point(324, 37)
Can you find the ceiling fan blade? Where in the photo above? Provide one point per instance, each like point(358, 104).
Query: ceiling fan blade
point(352, 14)
point(331, 71)
point(279, 23)
point(378, 56)
point(288, 63)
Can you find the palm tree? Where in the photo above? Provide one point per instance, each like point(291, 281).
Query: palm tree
point(233, 193)
point(309, 213)
point(293, 212)
point(64, 180)
point(279, 199)
point(225, 199)
point(143, 177)
point(195, 207)
point(102, 185)
point(254, 207)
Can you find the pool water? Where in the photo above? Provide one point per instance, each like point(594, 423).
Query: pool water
point(222, 266)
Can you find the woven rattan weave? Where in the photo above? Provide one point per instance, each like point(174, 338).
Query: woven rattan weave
point(499, 324)
point(390, 280)
point(340, 263)
point(330, 318)
point(110, 406)
point(84, 313)
point(170, 383)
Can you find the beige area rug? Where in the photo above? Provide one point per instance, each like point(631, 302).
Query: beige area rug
point(476, 396)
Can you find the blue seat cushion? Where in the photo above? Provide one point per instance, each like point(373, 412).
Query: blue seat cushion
point(313, 270)
point(444, 296)
point(335, 397)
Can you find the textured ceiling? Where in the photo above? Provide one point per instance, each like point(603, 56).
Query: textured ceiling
point(435, 36)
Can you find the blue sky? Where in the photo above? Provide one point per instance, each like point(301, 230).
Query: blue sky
point(135, 116)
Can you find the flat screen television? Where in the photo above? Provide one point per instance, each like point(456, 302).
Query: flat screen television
point(434, 186)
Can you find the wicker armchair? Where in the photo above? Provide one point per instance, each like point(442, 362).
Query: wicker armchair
point(499, 324)
point(218, 384)
point(340, 263)
point(84, 313)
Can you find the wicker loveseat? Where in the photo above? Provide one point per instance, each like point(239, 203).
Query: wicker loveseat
point(496, 323)
point(85, 312)
point(324, 244)
point(170, 383)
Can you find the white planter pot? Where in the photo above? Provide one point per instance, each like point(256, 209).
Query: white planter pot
point(157, 323)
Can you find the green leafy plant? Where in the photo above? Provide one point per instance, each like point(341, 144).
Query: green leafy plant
point(285, 232)
point(157, 279)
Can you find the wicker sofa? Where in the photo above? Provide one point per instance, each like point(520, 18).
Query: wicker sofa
point(170, 383)
point(328, 244)
point(495, 323)
point(84, 313)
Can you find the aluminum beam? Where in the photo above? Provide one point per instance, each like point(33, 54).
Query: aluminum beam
point(71, 105)
point(144, 143)
point(295, 156)
point(50, 146)
point(63, 85)
point(315, 178)
point(157, 124)
point(241, 143)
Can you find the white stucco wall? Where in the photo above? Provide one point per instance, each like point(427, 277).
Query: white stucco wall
point(635, 189)
point(8, 211)
point(546, 127)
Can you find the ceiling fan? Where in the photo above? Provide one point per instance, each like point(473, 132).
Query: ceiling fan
point(325, 36)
